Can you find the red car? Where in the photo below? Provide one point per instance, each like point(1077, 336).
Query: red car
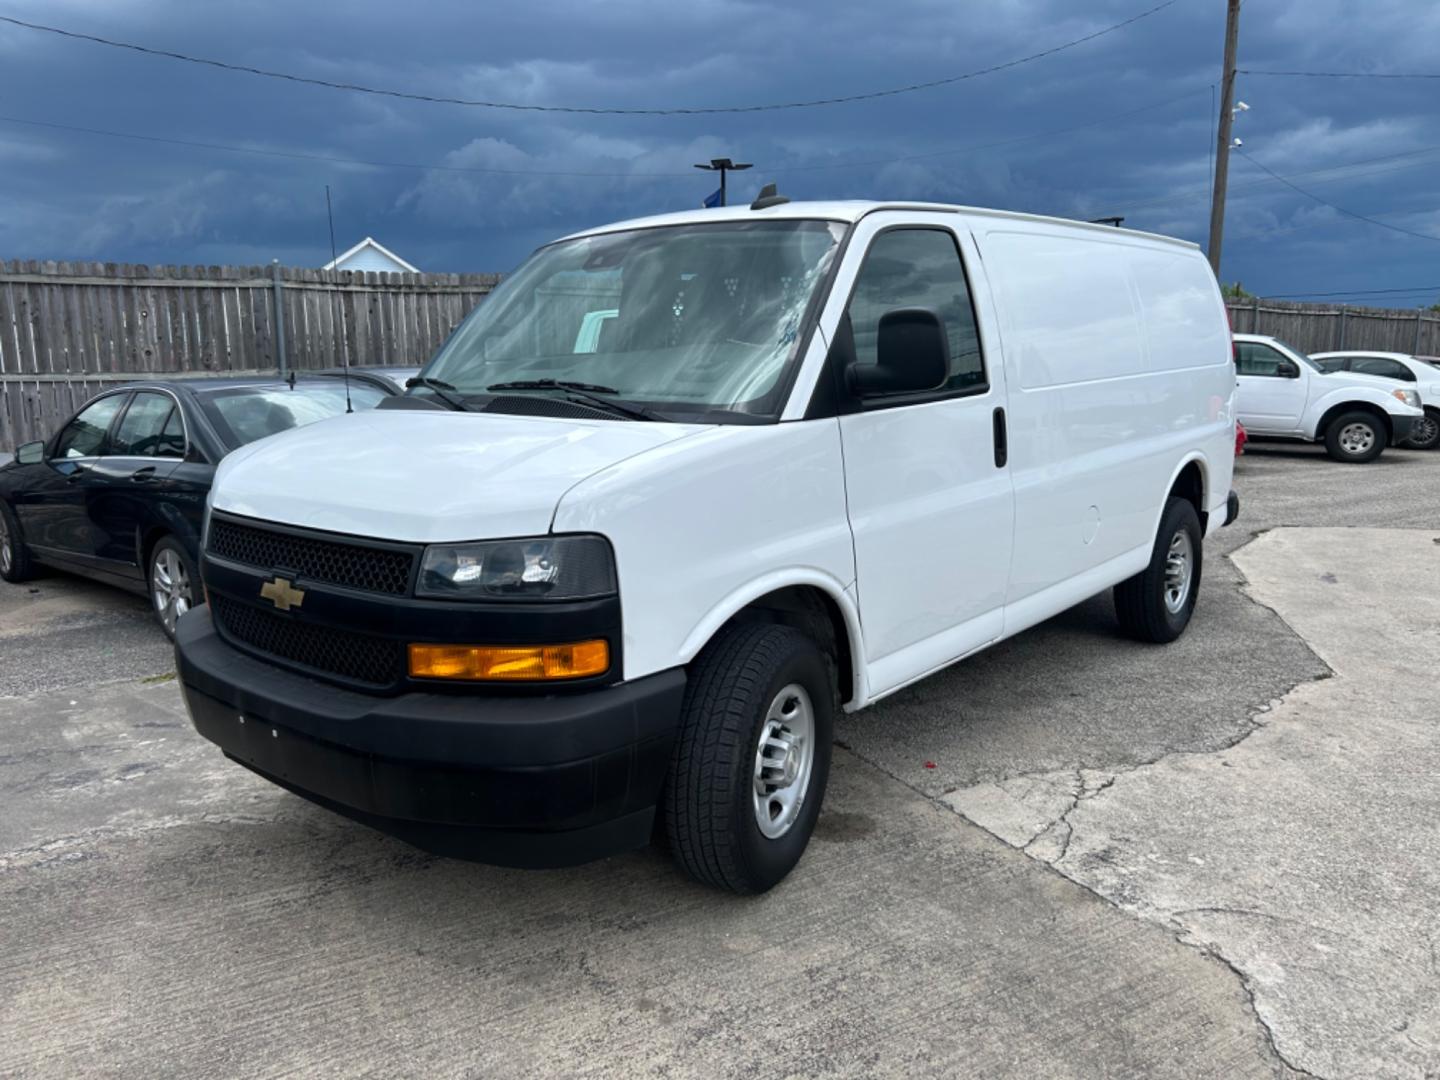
point(1240, 438)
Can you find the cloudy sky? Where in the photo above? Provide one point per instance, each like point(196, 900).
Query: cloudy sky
point(1010, 139)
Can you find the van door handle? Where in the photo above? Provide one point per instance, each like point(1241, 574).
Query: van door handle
point(1002, 442)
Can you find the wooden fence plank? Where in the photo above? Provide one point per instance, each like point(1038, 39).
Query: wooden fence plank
point(70, 329)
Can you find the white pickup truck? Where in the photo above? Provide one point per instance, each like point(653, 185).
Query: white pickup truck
point(1282, 393)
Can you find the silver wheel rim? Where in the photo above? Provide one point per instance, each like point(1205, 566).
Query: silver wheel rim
point(1357, 438)
point(169, 588)
point(1426, 432)
point(784, 761)
point(1179, 571)
point(6, 557)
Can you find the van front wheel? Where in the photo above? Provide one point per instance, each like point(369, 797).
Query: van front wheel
point(752, 757)
point(1156, 604)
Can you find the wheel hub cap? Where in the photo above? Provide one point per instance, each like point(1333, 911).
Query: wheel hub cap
point(1179, 571)
point(1356, 438)
point(169, 588)
point(784, 759)
point(5, 555)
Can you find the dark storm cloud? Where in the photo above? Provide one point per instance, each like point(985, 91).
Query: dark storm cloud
point(1144, 90)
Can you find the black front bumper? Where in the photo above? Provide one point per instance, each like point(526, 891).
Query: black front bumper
point(517, 781)
point(1402, 427)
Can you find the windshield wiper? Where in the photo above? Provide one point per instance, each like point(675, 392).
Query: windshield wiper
point(586, 392)
point(438, 388)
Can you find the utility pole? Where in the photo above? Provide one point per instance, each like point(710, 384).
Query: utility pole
point(1222, 142)
point(722, 165)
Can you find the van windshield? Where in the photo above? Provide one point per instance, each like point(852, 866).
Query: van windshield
point(683, 319)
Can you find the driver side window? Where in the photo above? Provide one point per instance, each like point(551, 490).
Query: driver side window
point(85, 435)
point(1257, 359)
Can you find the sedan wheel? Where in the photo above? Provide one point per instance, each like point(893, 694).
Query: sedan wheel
point(1427, 433)
point(170, 590)
point(7, 556)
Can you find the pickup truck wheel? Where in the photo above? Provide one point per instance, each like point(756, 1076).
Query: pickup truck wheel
point(1156, 604)
point(752, 757)
point(1427, 432)
point(15, 563)
point(1355, 437)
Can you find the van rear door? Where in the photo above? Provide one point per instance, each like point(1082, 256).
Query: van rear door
point(929, 497)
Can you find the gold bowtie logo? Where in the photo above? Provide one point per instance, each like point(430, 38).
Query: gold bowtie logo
point(282, 594)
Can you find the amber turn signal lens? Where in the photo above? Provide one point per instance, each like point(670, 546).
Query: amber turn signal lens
point(510, 663)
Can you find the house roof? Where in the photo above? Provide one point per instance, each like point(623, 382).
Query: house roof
point(374, 245)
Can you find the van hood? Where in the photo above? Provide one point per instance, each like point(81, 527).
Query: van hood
point(427, 476)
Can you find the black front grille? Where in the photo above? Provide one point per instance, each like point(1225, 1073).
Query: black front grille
point(357, 657)
point(354, 566)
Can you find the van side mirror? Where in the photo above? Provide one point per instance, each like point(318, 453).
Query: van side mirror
point(30, 453)
point(912, 355)
point(1288, 369)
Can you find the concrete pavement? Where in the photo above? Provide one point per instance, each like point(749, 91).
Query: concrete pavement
point(164, 912)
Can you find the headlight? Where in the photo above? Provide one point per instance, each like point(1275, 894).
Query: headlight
point(534, 568)
point(1409, 397)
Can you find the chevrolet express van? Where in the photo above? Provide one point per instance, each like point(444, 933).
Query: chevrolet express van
point(684, 488)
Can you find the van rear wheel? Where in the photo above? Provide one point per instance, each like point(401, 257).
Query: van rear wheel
point(1156, 604)
point(752, 757)
point(1355, 437)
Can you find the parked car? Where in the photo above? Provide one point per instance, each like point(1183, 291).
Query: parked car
point(1403, 368)
point(1241, 438)
point(118, 492)
point(1282, 393)
point(391, 379)
point(818, 452)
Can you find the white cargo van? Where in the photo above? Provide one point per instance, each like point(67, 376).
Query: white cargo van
point(685, 487)
point(1282, 393)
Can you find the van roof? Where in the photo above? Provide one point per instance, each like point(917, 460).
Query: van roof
point(852, 210)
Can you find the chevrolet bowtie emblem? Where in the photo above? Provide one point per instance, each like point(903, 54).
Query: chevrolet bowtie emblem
point(282, 594)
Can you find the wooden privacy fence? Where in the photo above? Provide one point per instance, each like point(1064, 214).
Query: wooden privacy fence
point(1316, 328)
point(69, 329)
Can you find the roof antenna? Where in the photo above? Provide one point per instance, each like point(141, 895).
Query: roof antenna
point(345, 355)
point(768, 197)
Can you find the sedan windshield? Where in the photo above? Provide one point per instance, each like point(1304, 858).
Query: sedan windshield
point(698, 319)
point(244, 414)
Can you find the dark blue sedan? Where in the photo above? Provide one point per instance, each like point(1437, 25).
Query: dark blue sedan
point(118, 493)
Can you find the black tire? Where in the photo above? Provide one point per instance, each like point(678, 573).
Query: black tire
point(1143, 603)
point(709, 807)
point(1428, 435)
point(188, 581)
point(1337, 437)
point(16, 565)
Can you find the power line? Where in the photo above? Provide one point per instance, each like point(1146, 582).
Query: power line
point(421, 167)
point(971, 148)
point(1417, 290)
point(1338, 209)
point(329, 158)
point(589, 109)
point(1342, 172)
point(1347, 74)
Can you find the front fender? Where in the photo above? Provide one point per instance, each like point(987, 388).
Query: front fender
point(789, 577)
point(1316, 408)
